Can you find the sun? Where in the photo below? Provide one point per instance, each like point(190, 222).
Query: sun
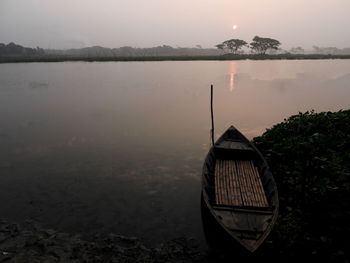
point(234, 27)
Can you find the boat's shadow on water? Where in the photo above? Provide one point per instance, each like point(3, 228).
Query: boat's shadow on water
point(223, 248)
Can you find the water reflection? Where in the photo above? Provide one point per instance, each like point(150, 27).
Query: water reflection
point(232, 75)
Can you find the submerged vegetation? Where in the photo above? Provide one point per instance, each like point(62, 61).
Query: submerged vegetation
point(309, 157)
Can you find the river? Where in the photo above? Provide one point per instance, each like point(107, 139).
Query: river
point(118, 146)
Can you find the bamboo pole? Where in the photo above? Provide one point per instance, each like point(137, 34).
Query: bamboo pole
point(212, 114)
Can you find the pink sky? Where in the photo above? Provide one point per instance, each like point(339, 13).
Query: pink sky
point(185, 23)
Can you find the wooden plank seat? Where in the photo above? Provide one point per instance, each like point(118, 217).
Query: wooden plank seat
point(234, 145)
point(237, 183)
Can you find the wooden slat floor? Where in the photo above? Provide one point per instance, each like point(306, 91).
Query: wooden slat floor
point(237, 183)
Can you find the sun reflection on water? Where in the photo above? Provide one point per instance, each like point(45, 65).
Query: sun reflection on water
point(232, 75)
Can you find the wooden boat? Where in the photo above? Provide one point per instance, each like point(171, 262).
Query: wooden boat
point(239, 190)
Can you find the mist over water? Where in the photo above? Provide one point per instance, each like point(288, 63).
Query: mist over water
point(118, 146)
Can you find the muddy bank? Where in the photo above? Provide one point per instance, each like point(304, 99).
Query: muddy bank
point(29, 242)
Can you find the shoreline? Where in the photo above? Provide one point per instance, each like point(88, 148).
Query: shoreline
point(226, 57)
point(29, 242)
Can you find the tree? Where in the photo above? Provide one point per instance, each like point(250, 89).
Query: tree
point(233, 45)
point(220, 46)
point(297, 50)
point(262, 44)
point(326, 50)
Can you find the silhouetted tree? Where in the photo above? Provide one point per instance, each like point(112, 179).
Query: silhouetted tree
point(14, 50)
point(220, 46)
point(232, 45)
point(262, 44)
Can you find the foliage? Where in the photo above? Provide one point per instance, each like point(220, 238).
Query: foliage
point(220, 46)
point(13, 50)
point(309, 157)
point(297, 50)
point(261, 44)
point(233, 45)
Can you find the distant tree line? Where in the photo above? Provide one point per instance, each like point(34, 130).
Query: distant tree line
point(320, 51)
point(262, 45)
point(13, 50)
point(164, 50)
point(330, 50)
point(259, 45)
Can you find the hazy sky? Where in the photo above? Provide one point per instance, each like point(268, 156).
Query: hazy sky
point(185, 23)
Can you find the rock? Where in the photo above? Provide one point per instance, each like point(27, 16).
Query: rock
point(3, 237)
point(192, 243)
point(4, 258)
point(13, 229)
point(50, 232)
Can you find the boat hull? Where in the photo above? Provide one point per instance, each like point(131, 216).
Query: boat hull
point(248, 223)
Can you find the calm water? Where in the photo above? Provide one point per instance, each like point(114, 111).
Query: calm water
point(100, 147)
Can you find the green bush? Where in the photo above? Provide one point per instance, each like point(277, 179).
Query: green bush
point(309, 156)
